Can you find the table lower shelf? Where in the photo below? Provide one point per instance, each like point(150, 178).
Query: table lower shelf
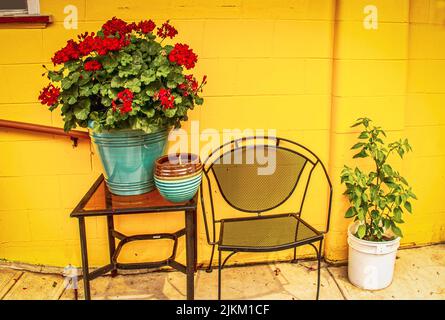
point(115, 265)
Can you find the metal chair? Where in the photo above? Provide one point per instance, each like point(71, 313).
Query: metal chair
point(237, 172)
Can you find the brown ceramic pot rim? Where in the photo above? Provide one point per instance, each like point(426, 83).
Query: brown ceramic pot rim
point(179, 169)
point(172, 178)
point(192, 160)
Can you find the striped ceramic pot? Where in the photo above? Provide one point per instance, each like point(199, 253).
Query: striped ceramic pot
point(128, 158)
point(178, 176)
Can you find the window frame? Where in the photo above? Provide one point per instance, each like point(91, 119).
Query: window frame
point(32, 8)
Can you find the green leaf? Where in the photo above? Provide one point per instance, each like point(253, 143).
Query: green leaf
point(387, 169)
point(82, 109)
point(85, 91)
point(85, 78)
point(134, 85)
point(109, 63)
point(72, 65)
point(160, 60)
point(199, 100)
point(361, 214)
point(163, 71)
point(125, 58)
point(55, 76)
point(169, 113)
point(396, 230)
point(148, 76)
point(350, 213)
point(66, 83)
point(154, 48)
point(357, 145)
point(95, 88)
point(412, 195)
point(150, 112)
point(361, 154)
point(363, 135)
point(72, 100)
point(117, 82)
point(75, 76)
point(408, 206)
point(361, 231)
point(397, 215)
point(129, 70)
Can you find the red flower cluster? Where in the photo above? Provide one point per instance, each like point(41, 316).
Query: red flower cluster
point(70, 52)
point(126, 97)
point(115, 25)
point(88, 44)
point(167, 99)
point(116, 36)
point(167, 30)
point(49, 95)
point(189, 85)
point(146, 26)
point(92, 65)
point(111, 44)
point(183, 55)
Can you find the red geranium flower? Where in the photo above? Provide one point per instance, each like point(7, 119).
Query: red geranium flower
point(92, 65)
point(49, 95)
point(69, 52)
point(191, 85)
point(167, 99)
point(126, 97)
point(146, 26)
point(183, 55)
point(103, 46)
point(87, 43)
point(167, 30)
point(115, 25)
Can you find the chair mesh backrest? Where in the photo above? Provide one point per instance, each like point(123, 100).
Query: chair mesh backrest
point(245, 189)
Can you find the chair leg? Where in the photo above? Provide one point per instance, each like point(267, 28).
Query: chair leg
point(209, 268)
point(319, 269)
point(219, 274)
point(294, 260)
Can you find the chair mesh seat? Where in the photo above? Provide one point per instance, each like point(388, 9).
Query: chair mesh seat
point(262, 233)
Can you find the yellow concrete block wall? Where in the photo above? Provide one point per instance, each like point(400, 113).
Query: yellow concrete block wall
point(394, 75)
point(280, 65)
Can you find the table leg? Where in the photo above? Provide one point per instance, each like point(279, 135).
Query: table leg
point(195, 229)
point(84, 250)
point(190, 226)
point(111, 242)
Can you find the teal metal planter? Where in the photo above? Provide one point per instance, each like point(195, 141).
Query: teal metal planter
point(128, 158)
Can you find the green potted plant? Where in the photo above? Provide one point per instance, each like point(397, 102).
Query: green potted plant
point(129, 89)
point(378, 199)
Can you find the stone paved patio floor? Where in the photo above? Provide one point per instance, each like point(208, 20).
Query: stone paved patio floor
point(419, 274)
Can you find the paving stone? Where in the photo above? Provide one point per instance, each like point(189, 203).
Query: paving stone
point(35, 286)
point(149, 286)
point(8, 277)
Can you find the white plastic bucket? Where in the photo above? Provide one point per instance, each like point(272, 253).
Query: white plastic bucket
point(371, 264)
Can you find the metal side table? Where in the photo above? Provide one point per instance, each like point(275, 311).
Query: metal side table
point(98, 201)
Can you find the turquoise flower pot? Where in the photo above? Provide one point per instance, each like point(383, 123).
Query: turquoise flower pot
point(128, 158)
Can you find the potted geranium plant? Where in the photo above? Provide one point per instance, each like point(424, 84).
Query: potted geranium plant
point(129, 89)
point(378, 199)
